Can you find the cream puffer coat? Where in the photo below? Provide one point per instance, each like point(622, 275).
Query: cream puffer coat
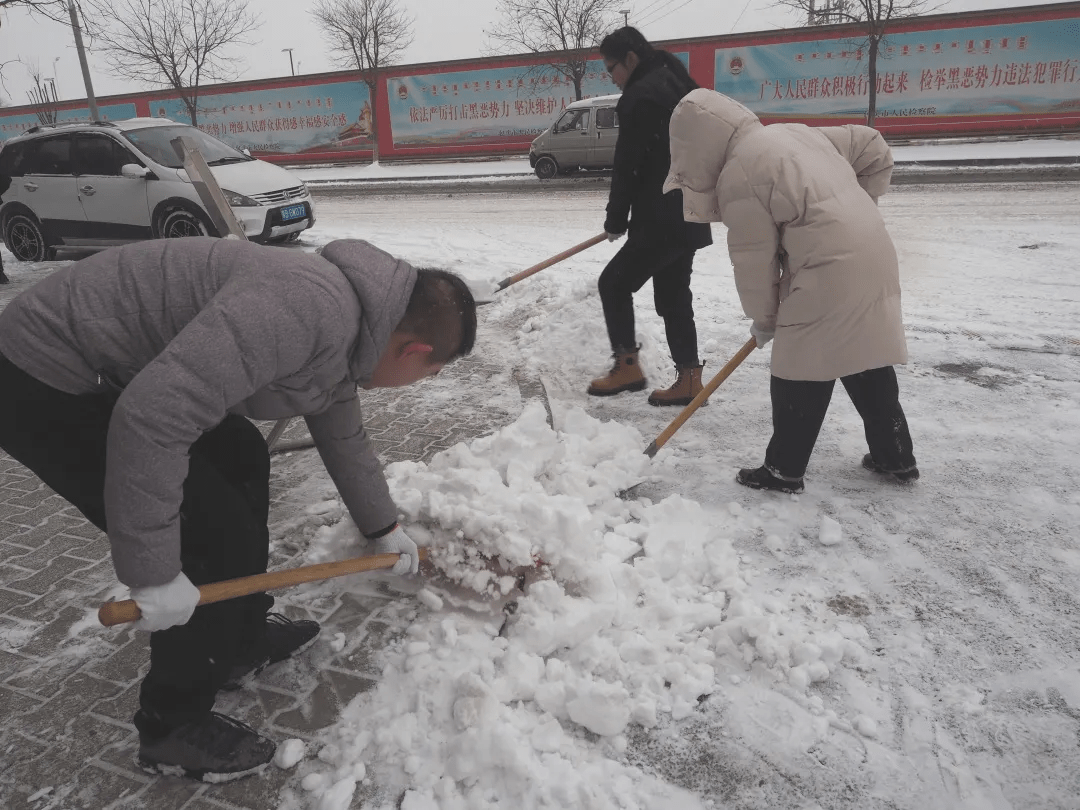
point(811, 253)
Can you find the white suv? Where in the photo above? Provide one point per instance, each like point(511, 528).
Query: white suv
point(107, 183)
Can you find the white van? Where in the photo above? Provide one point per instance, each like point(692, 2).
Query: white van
point(583, 137)
point(94, 185)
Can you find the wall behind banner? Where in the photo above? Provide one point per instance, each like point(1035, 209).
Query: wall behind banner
point(1007, 70)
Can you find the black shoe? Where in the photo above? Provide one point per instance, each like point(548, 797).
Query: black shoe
point(762, 478)
point(214, 748)
point(904, 476)
point(4, 279)
point(284, 639)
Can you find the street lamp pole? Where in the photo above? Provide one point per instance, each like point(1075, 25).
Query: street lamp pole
point(292, 68)
point(625, 16)
point(91, 99)
point(54, 61)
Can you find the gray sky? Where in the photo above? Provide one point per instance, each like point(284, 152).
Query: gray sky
point(443, 30)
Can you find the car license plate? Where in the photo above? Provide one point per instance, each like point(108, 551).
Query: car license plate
point(293, 212)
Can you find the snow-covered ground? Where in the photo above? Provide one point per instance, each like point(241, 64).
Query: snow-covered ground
point(862, 645)
point(689, 642)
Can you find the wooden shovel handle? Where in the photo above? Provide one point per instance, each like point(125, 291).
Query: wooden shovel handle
point(705, 393)
point(113, 613)
point(536, 268)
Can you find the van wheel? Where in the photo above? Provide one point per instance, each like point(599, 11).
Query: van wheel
point(180, 222)
point(546, 168)
point(25, 239)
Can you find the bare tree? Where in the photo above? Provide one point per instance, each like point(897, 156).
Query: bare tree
point(42, 95)
point(43, 101)
point(56, 10)
point(368, 35)
point(567, 29)
point(875, 17)
point(3, 83)
point(174, 43)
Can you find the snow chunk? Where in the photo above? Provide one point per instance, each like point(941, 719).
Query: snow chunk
point(603, 709)
point(866, 726)
point(289, 753)
point(339, 796)
point(429, 599)
point(830, 532)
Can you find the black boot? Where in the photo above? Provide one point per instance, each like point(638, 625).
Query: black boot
point(284, 639)
point(902, 476)
point(764, 478)
point(214, 748)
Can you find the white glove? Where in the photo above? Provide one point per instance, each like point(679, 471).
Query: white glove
point(165, 605)
point(762, 335)
point(397, 542)
point(614, 237)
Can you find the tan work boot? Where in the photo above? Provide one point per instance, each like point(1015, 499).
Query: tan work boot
point(625, 375)
point(686, 386)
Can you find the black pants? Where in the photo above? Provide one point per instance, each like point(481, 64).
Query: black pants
point(798, 409)
point(669, 267)
point(223, 533)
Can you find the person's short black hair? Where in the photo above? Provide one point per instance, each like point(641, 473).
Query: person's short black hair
point(442, 313)
point(622, 41)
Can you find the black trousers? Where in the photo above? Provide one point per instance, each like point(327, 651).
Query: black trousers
point(669, 267)
point(223, 530)
point(798, 410)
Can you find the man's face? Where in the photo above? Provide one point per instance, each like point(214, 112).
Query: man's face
point(404, 362)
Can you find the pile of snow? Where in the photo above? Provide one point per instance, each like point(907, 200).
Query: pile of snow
point(644, 614)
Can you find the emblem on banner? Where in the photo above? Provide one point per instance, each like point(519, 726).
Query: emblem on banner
point(735, 65)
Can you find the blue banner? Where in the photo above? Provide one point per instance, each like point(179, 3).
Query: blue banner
point(331, 117)
point(12, 125)
point(486, 106)
point(1028, 67)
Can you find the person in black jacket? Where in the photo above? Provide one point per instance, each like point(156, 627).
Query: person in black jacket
point(5, 184)
point(661, 244)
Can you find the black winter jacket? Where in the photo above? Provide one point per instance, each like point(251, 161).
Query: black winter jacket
point(636, 201)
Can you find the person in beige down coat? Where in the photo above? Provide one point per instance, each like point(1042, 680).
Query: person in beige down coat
point(814, 267)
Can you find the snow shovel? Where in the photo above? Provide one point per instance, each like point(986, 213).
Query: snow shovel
point(113, 613)
point(697, 401)
point(536, 268)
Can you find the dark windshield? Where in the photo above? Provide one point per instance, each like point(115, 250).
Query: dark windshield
point(154, 142)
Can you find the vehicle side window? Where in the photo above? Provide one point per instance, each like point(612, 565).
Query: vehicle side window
point(606, 118)
point(13, 159)
point(100, 155)
point(573, 120)
point(50, 156)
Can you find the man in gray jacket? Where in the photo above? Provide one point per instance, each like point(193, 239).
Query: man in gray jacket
point(128, 381)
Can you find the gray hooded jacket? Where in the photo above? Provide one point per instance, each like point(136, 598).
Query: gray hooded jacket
point(186, 331)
